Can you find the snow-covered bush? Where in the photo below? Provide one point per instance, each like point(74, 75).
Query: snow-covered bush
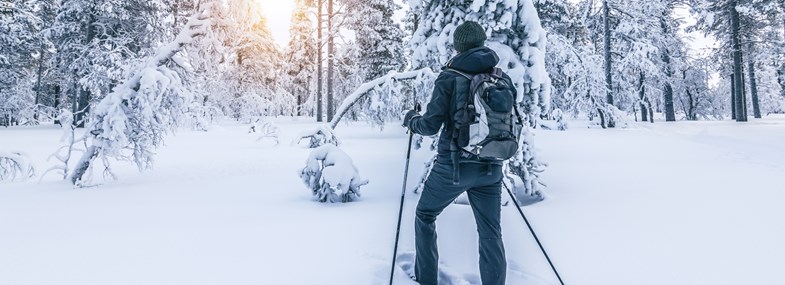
point(331, 175)
point(266, 130)
point(15, 164)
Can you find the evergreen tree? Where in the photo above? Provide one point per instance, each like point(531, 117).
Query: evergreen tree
point(301, 55)
point(737, 24)
point(378, 37)
point(19, 42)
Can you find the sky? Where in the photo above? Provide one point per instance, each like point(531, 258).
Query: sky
point(278, 13)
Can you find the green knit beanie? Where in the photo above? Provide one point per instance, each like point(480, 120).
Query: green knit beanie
point(468, 35)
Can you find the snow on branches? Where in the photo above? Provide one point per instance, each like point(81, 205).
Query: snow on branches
point(388, 104)
point(387, 100)
point(331, 175)
point(132, 120)
point(15, 164)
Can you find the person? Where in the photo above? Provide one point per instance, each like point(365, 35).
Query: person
point(480, 180)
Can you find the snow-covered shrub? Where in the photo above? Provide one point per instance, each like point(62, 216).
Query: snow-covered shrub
point(558, 115)
point(525, 196)
point(331, 175)
point(15, 164)
point(266, 129)
point(527, 167)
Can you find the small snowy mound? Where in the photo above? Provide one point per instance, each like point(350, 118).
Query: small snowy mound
point(15, 164)
point(331, 175)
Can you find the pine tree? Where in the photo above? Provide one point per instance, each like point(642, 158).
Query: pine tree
point(736, 23)
point(301, 55)
point(18, 42)
point(378, 37)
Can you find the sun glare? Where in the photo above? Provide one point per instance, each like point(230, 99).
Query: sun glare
point(278, 13)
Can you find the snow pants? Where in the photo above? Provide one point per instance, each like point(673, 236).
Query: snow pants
point(482, 183)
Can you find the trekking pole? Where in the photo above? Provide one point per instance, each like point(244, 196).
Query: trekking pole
point(403, 194)
point(518, 206)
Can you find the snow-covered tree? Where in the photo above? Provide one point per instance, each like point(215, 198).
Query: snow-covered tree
point(96, 42)
point(738, 25)
point(19, 47)
point(301, 55)
point(331, 175)
point(132, 120)
point(379, 38)
point(514, 32)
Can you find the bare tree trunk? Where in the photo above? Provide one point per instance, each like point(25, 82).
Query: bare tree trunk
point(330, 61)
point(319, 68)
point(642, 90)
point(753, 84)
point(608, 79)
point(737, 62)
point(38, 83)
point(733, 96)
point(670, 112)
point(57, 103)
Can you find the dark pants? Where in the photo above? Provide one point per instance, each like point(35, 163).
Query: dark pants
point(482, 183)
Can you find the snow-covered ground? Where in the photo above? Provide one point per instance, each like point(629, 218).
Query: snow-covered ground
point(681, 203)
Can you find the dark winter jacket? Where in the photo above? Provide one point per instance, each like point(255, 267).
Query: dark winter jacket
point(441, 107)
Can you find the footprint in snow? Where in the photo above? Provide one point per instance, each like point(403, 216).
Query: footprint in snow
point(447, 276)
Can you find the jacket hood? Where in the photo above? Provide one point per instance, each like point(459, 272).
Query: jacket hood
point(474, 61)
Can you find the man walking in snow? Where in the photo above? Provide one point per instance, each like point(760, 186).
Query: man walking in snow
point(454, 174)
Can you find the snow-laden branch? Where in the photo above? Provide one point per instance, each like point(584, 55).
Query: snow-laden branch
point(360, 92)
point(325, 134)
point(15, 164)
point(136, 114)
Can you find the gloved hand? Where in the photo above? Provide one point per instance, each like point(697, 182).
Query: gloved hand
point(407, 119)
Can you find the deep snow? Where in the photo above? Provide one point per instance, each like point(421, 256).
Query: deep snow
point(681, 203)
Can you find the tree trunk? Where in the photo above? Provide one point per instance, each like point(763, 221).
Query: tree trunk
point(733, 96)
point(642, 90)
point(330, 61)
point(753, 85)
point(608, 79)
point(670, 111)
point(744, 93)
point(38, 83)
point(319, 68)
point(57, 103)
point(737, 62)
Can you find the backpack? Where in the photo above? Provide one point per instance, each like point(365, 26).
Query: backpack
point(487, 122)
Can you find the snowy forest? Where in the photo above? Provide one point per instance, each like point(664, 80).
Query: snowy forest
point(187, 142)
point(606, 59)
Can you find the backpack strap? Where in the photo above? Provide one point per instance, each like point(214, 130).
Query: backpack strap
point(468, 76)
